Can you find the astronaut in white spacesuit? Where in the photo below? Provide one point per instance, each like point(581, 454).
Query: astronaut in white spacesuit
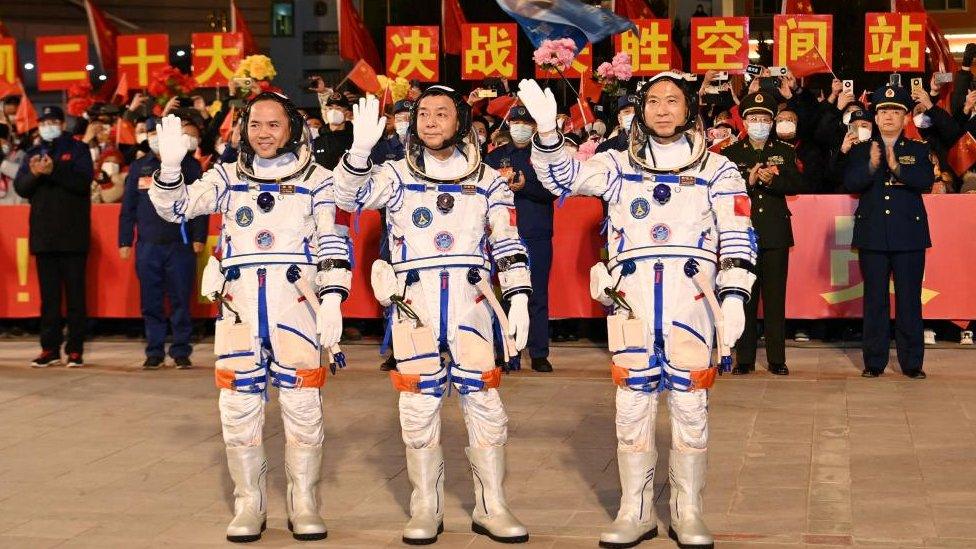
point(278, 238)
point(448, 215)
point(678, 234)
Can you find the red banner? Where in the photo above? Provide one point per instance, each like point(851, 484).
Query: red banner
point(795, 36)
point(61, 61)
point(824, 278)
point(583, 64)
point(413, 52)
point(8, 62)
point(650, 51)
point(215, 56)
point(140, 55)
point(719, 44)
point(489, 49)
point(894, 42)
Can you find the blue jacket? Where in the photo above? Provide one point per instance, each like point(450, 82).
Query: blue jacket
point(60, 214)
point(891, 215)
point(533, 203)
point(138, 210)
point(388, 148)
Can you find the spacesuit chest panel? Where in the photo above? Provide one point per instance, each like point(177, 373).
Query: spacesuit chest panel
point(438, 220)
point(261, 219)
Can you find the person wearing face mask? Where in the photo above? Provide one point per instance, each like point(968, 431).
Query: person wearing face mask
point(860, 129)
point(109, 183)
point(809, 157)
point(891, 232)
point(56, 176)
point(336, 137)
point(480, 125)
point(392, 145)
point(626, 107)
point(165, 263)
point(534, 209)
point(769, 167)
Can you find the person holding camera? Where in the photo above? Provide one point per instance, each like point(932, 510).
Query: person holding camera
point(769, 167)
point(56, 178)
point(335, 138)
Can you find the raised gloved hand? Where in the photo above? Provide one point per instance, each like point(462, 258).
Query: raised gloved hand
point(734, 318)
point(328, 321)
point(540, 104)
point(518, 320)
point(367, 126)
point(172, 148)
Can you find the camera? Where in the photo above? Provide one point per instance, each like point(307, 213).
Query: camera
point(486, 93)
point(777, 71)
point(848, 86)
point(243, 82)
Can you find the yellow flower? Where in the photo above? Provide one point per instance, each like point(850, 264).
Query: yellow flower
point(400, 88)
point(215, 107)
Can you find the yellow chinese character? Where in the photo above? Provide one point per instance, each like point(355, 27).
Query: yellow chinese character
point(142, 59)
point(216, 53)
point(720, 42)
point(490, 54)
point(417, 56)
point(884, 46)
point(650, 51)
point(801, 37)
point(8, 72)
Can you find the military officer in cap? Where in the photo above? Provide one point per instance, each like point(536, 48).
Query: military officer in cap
point(891, 231)
point(626, 107)
point(391, 146)
point(534, 212)
point(769, 167)
point(336, 137)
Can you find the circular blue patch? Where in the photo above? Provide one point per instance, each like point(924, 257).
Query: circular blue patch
point(444, 241)
point(264, 240)
point(639, 208)
point(660, 233)
point(662, 193)
point(422, 218)
point(244, 216)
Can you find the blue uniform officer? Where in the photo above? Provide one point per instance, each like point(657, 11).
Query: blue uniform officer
point(891, 232)
point(165, 254)
point(534, 213)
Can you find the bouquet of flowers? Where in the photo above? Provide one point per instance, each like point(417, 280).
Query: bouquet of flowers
point(555, 55)
point(258, 67)
point(611, 74)
point(397, 87)
point(79, 99)
point(169, 82)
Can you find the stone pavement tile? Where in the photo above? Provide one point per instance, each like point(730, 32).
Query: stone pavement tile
point(829, 511)
point(769, 502)
point(828, 491)
point(828, 527)
point(26, 542)
point(51, 528)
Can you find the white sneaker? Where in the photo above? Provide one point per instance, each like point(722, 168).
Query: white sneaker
point(801, 336)
point(929, 336)
point(966, 338)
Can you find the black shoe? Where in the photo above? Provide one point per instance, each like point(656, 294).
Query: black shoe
point(388, 364)
point(778, 369)
point(572, 336)
point(153, 363)
point(75, 360)
point(558, 337)
point(183, 363)
point(45, 359)
point(541, 365)
point(917, 374)
point(870, 373)
point(743, 369)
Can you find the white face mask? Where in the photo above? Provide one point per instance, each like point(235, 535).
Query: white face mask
point(111, 168)
point(49, 132)
point(521, 133)
point(314, 132)
point(190, 142)
point(220, 148)
point(153, 143)
point(141, 136)
point(786, 129)
point(758, 130)
point(600, 128)
point(6, 148)
point(482, 138)
point(863, 134)
point(922, 121)
point(401, 128)
point(626, 120)
point(335, 117)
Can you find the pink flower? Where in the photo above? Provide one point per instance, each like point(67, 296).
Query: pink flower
point(555, 54)
point(605, 71)
point(586, 149)
point(622, 68)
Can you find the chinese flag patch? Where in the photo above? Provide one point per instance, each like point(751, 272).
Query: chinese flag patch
point(743, 206)
point(512, 219)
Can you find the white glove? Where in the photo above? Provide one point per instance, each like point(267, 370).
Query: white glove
point(518, 320)
point(212, 280)
point(328, 320)
point(734, 319)
point(367, 126)
point(172, 149)
point(540, 104)
point(600, 279)
point(384, 282)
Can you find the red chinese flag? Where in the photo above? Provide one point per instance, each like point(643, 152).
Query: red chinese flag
point(365, 77)
point(811, 62)
point(26, 116)
point(140, 55)
point(125, 132)
point(499, 106)
point(355, 42)
point(590, 89)
point(61, 61)
point(452, 17)
point(104, 35)
point(743, 206)
point(122, 90)
point(797, 6)
point(633, 9)
point(580, 114)
point(7, 88)
point(238, 24)
point(962, 155)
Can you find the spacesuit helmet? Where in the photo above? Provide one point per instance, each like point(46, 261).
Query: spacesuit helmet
point(297, 131)
point(463, 139)
point(690, 127)
point(461, 109)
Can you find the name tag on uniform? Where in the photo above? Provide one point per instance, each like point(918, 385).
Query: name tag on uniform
point(907, 159)
point(145, 182)
point(286, 189)
point(468, 189)
point(686, 181)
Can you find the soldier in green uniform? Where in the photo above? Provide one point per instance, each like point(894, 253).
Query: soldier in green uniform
point(769, 167)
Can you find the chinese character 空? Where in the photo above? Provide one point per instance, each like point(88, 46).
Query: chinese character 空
point(721, 41)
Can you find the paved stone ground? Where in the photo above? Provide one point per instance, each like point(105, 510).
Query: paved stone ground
point(113, 456)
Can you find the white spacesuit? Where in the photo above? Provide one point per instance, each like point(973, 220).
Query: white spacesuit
point(278, 238)
point(445, 210)
point(676, 212)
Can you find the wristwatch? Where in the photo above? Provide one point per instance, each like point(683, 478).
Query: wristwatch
point(507, 262)
point(733, 262)
point(329, 264)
